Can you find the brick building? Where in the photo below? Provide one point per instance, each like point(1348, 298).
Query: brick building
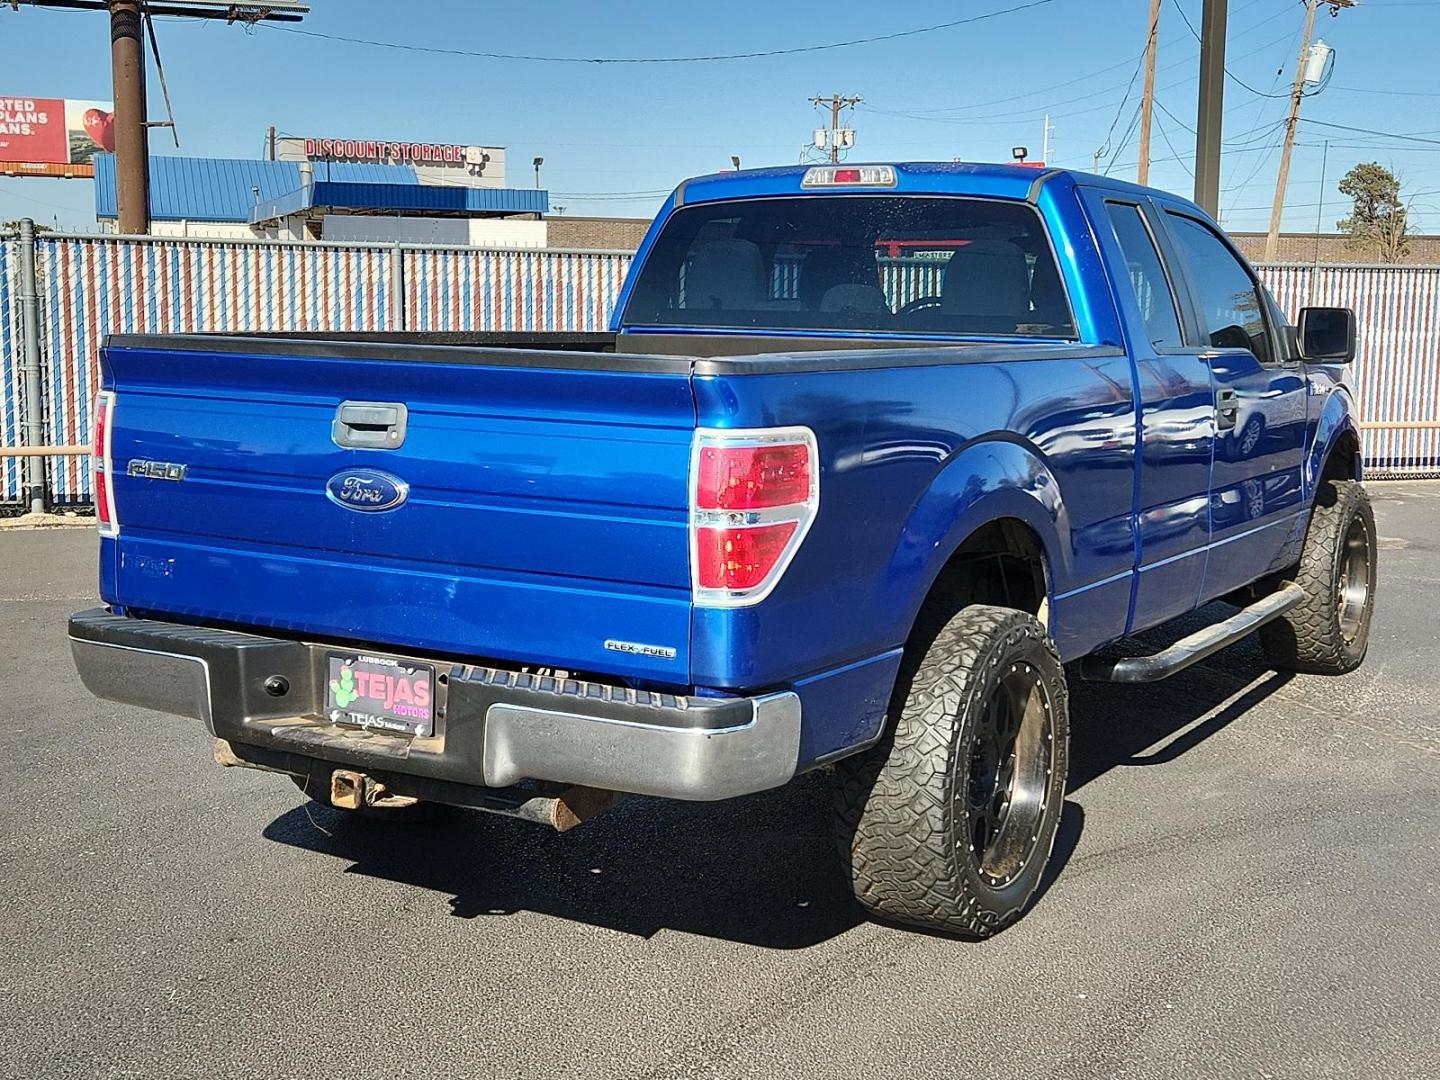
point(597, 233)
point(625, 234)
point(1331, 248)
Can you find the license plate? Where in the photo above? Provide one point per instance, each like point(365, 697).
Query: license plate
point(380, 692)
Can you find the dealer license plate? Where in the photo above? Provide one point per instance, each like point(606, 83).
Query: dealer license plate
point(380, 692)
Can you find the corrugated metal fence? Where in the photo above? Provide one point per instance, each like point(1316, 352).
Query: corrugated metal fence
point(91, 286)
point(1397, 369)
point(10, 374)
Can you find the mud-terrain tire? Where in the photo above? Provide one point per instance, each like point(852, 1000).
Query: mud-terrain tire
point(316, 788)
point(919, 817)
point(1328, 633)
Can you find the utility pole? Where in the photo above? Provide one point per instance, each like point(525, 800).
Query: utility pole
point(1297, 93)
point(1212, 104)
point(1147, 103)
point(271, 141)
point(1045, 141)
point(132, 133)
point(836, 102)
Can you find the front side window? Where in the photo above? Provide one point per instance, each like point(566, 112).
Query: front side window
point(872, 264)
point(1231, 310)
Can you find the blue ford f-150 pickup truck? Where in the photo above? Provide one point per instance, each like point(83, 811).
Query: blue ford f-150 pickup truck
point(871, 452)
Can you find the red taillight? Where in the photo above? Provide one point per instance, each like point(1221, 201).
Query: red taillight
point(735, 559)
point(753, 477)
point(103, 480)
point(753, 495)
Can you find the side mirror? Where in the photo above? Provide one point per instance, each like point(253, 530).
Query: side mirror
point(1327, 334)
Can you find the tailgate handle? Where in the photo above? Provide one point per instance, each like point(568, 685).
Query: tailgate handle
point(370, 425)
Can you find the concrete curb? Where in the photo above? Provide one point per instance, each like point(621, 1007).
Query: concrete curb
point(47, 521)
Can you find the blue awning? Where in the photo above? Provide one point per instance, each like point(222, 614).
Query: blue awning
point(393, 198)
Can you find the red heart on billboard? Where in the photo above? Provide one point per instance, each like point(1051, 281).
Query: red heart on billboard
point(100, 126)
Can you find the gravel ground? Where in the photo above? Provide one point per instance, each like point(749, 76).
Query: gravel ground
point(1246, 886)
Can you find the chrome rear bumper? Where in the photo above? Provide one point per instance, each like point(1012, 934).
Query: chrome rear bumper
point(494, 728)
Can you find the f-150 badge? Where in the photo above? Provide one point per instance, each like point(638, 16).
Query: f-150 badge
point(367, 490)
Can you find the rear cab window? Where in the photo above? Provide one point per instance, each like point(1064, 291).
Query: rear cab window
point(1148, 280)
point(876, 264)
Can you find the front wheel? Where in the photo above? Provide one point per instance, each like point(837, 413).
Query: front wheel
point(1329, 632)
point(948, 822)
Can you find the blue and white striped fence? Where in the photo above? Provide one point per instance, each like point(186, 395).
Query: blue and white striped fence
point(469, 289)
point(11, 469)
point(92, 286)
point(1396, 374)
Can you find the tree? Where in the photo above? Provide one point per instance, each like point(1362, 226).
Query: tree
point(1379, 221)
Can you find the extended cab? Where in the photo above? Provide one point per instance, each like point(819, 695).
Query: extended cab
point(870, 452)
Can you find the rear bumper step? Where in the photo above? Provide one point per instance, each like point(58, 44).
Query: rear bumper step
point(1195, 647)
point(494, 728)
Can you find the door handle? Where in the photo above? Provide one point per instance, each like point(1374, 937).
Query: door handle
point(1227, 409)
point(370, 425)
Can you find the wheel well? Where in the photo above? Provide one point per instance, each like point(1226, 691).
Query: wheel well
point(1000, 563)
point(1343, 463)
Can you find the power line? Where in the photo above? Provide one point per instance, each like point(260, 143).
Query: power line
point(1371, 131)
point(1392, 93)
point(1005, 118)
point(698, 59)
point(1105, 144)
point(1125, 139)
point(925, 114)
point(1196, 34)
point(1166, 136)
point(1159, 105)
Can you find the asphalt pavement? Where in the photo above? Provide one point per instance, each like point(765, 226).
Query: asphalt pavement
point(1246, 886)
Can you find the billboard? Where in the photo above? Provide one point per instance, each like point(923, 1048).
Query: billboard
point(54, 136)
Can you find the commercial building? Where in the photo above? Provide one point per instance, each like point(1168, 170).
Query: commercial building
point(341, 189)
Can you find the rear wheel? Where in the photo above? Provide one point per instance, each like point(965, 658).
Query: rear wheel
point(948, 822)
point(1329, 632)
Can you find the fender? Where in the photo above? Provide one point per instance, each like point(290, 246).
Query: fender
point(1337, 418)
point(998, 476)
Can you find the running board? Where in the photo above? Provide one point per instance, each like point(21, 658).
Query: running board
point(1195, 647)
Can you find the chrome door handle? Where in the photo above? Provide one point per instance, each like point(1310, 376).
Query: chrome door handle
point(370, 425)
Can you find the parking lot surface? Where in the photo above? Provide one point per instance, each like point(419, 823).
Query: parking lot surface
point(1248, 886)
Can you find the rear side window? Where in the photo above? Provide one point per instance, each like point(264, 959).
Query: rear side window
point(860, 263)
point(1147, 276)
point(1231, 310)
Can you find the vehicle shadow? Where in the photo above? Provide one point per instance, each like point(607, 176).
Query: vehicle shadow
point(760, 870)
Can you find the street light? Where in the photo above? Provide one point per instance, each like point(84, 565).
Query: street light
point(538, 162)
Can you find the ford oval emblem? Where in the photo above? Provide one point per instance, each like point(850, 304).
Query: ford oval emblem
point(368, 490)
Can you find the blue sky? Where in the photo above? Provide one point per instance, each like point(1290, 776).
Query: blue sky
point(613, 135)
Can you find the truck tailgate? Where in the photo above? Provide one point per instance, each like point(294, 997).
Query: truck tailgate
point(545, 521)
